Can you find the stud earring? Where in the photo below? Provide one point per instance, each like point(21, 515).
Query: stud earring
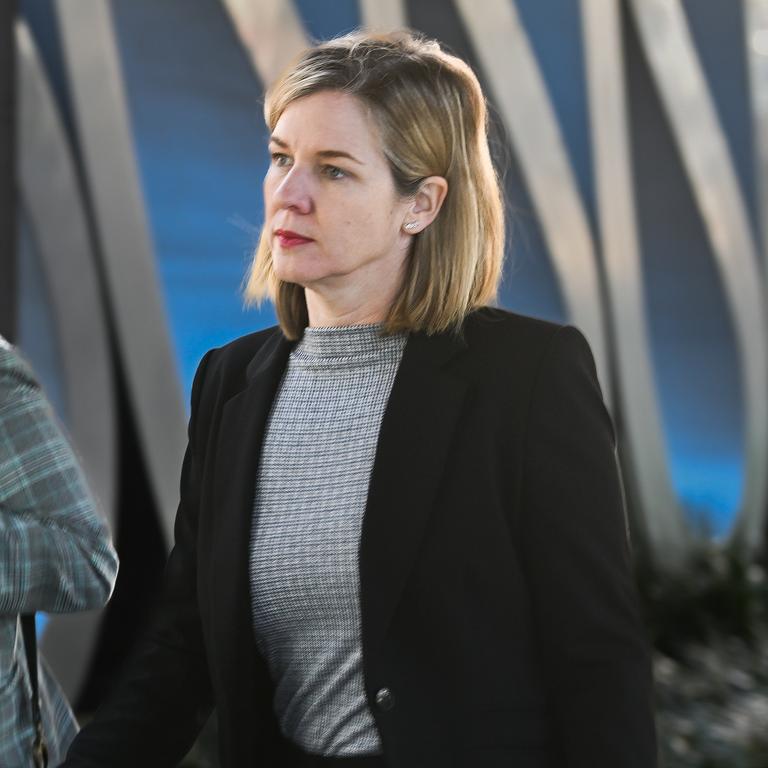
point(411, 225)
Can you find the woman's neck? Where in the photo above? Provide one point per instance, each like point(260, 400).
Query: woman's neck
point(326, 309)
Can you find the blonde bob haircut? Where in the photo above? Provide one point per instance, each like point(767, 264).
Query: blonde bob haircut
point(432, 119)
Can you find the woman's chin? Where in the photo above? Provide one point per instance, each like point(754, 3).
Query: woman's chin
point(301, 274)
point(297, 276)
point(292, 270)
point(290, 273)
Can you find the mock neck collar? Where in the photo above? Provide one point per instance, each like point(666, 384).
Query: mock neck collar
point(364, 341)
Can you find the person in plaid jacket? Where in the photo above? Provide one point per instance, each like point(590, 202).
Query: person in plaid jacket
point(55, 555)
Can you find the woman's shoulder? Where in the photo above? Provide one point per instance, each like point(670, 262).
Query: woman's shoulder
point(226, 367)
point(525, 344)
point(240, 351)
point(492, 327)
point(15, 372)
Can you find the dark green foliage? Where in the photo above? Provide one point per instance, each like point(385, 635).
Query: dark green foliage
point(715, 594)
point(709, 626)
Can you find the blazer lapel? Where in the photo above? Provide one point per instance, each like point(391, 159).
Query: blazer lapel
point(241, 433)
point(414, 439)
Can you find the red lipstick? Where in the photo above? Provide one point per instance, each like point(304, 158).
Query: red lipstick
point(290, 239)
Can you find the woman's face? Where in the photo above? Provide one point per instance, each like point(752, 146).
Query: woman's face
point(329, 184)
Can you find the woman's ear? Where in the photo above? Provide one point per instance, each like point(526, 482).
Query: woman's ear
point(426, 204)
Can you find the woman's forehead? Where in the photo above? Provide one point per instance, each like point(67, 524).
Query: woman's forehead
point(328, 120)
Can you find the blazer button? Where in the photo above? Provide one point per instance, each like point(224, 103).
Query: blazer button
point(385, 700)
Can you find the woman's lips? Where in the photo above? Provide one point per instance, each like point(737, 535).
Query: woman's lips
point(290, 239)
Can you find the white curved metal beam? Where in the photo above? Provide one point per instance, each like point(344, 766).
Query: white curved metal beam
point(383, 15)
point(512, 72)
point(677, 73)
point(53, 203)
point(643, 445)
point(141, 326)
point(271, 32)
point(756, 43)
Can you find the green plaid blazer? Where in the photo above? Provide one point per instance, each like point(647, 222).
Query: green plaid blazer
point(55, 554)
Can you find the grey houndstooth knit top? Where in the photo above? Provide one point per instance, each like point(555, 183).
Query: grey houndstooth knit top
point(311, 492)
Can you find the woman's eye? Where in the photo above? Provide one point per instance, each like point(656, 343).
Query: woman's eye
point(278, 158)
point(333, 172)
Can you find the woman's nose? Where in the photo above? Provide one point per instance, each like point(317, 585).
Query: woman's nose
point(294, 192)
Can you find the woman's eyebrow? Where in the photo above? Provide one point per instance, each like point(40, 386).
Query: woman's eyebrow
point(324, 153)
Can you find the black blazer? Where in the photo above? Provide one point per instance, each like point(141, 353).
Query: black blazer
point(500, 622)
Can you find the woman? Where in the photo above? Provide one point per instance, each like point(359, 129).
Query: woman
point(55, 555)
point(401, 538)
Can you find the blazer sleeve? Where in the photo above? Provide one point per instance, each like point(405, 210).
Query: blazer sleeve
point(55, 549)
point(164, 697)
point(577, 559)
